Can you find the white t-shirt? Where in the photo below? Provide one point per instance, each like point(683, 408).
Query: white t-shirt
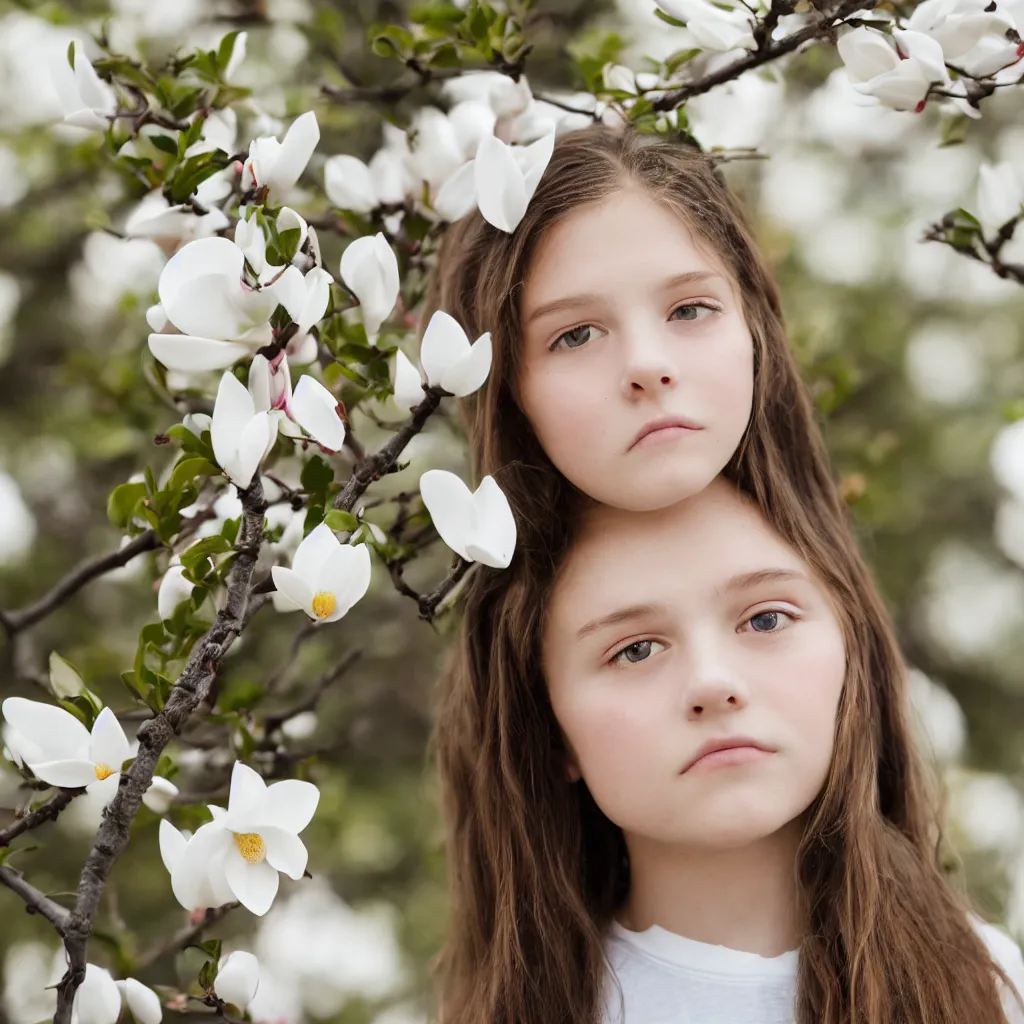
point(668, 979)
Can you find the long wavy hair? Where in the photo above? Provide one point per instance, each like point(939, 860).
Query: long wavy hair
point(537, 872)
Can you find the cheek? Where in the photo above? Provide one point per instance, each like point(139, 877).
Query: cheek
point(567, 410)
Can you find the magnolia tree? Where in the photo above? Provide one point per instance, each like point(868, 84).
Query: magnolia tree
point(271, 357)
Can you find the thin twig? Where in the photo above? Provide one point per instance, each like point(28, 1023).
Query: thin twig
point(183, 937)
point(42, 814)
point(88, 570)
point(274, 721)
point(37, 902)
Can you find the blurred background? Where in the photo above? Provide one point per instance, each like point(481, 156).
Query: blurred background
point(915, 356)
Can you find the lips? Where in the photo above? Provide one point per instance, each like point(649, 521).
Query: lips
point(713, 746)
point(672, 423)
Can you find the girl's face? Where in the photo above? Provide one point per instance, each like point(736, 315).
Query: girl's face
point(678, 631)
point(637, 372)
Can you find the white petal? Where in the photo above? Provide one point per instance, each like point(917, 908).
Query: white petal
point(294, 587)
point(102, 791)
point(95, 93)
point(67, 773)
point(189, 354)
point(108, 744)
point(238, 978)
point(457, 196)
point(408, 384)
point(259, 383)
point(317, 298)
point(348, 184)
point(468, 373)
point(248, 791)
point(237, 56)
point(233, 411)
point(315, 409)
point(296, 148)
point(55, 732)
point(254, 885)
point(282, 603)
point(250, 239)
point(302, 349)
point(203, 855)
point(289, 220)
point(289, 804)
point(97, 1000)
point(495, 542)
point(217, 262)
point(285, 851)
point(156, 317)
point(346, 574)
point(143, 1002)
point(451, 508)
point(313, 552)
point(172, 845)
point(444, 344)
point(533, 161)
point(290, 290)
point(174, 589)
point(160, 795)
point(254, 445)
point(500, 189)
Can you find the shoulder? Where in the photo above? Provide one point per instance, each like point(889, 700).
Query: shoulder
point(1007, 954)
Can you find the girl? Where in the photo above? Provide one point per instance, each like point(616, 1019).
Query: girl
point(639, 353)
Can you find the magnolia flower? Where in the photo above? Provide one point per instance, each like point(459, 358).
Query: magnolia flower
point(312, 407)
point(349, 184)
point(500, 180)
point(617, 78)
point(238, 978)
point(278, 165)
point(326, 578)
point(64, 680)
point(898, 78)
point(155, 217)
point(443, 143)
point(142, 1002)
point(449, 360)
point(370, 270)
point(242, 437)
point(242, 850)
point(97, 1000)
point(174, 589)
point(221, 319)
point(62, 752)
point(160, 795)
point(305, 296)
point(220, 129)
point(1000, 197)
point(88, 101)
point(476, 525)
point(712, 27)
point(957, 25)
point(994, 52)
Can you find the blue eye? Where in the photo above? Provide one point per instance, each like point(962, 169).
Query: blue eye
point(577, 337)
point(770, 621)
point(692, 307)
point(639, 650)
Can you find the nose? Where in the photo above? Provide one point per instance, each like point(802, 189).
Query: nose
point(712, 688)
point(648, 364)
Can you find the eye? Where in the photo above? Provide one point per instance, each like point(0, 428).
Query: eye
point(576, 337)
point(689, 311)
point(773, 621)
point(639, 650)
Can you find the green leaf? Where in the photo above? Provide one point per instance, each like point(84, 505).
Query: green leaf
point(337, 519)
point(226, 49)
point(85, 709)
point(668, 19)
point(71, 54)
point(674, 61)
point(65, 679)
point(442, 14)
point(316, 476)
point(123, 504)
point(188, 469)
point(164, 143)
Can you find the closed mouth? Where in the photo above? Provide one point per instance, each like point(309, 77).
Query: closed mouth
point(660, 425)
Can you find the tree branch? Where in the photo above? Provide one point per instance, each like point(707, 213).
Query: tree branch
point(386, 458)
point(190, 690)
point(182, 938)
point(42, 814)
point(35, 901)
point(310, 701)
point(13, 622)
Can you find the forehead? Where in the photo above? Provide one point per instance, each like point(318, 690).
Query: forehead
point(684, 552)
point(592, 240)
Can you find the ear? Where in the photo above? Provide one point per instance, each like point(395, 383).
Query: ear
point(572, 770)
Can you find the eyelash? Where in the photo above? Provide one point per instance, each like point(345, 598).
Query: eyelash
point(618, 657)
point(713, 307)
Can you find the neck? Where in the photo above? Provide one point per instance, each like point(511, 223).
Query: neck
point(743, 897)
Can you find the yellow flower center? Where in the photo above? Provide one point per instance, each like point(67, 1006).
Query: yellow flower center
point(324, 604)
point(103, 771)
point(250, 846)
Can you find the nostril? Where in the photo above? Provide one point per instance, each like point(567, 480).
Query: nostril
point(732, 700)
point(636, 387)
point(697, 709)
point(666, 380)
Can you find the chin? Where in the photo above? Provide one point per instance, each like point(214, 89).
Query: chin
point(659, 491)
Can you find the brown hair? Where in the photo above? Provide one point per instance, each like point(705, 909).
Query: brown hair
point(537, 871)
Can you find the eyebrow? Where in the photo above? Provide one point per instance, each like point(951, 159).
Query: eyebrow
point(574, 301)
point(740, 582)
